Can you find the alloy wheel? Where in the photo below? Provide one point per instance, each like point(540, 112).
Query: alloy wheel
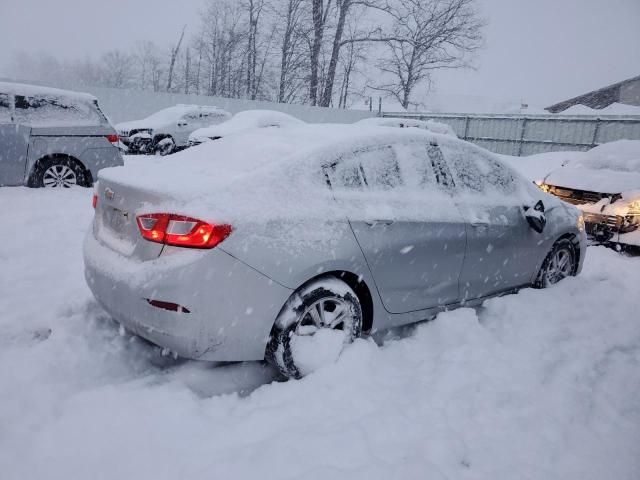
point(59, 176)
point(560, 266)
point(328, 312)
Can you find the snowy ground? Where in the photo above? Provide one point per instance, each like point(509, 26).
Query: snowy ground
point(539, 385)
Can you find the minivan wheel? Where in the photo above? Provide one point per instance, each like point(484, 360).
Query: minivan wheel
point(559, 264)
point(314, 326)
point(58, 173)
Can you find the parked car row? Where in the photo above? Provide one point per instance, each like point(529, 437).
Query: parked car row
point(58, 138)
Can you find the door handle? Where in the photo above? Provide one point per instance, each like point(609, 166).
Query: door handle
point(479, 224)
point(373, 223)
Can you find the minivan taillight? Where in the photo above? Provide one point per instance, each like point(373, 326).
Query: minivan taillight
point(113, 138)
point(181, 231)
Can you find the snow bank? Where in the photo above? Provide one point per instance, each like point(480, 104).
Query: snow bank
point(538, 385)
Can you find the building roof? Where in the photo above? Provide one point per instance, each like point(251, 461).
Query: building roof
point(599, 98)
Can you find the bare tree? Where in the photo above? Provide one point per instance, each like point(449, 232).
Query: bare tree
point(174, 55)
point(117, 68)
point(292, 56)
point(426, 36)
point(149, 65)
point(254, 9)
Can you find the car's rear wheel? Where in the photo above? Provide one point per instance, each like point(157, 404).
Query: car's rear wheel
point(59, 173)
point(559, 264)
point(313, 328)
point(165, 146)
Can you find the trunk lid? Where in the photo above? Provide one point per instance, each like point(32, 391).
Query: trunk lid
point(115, 223)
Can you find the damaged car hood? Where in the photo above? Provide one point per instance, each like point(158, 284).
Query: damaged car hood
point(594, 180)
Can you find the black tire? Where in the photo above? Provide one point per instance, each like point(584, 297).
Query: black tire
point(59, 172)
point(293, 322)
point(551, 272)
point(164, 146)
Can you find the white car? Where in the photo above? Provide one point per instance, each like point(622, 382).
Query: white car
point(168, 130)
point(243, 121)
point(398, 122)
point(605, 184)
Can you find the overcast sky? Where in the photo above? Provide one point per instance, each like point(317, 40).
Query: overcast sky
point(540, 51)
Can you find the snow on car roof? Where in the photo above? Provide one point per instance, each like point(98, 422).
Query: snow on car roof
point(32, 90)
point(171, 114)
point(245, 120)
point(266, 174)
point(430, 125)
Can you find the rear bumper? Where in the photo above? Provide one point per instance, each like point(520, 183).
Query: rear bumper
point(231, 306)
point(611, 229)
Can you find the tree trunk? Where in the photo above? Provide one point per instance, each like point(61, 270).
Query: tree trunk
point(325, 100)
point(318, 31)
point(286, 45)
point(174, 55)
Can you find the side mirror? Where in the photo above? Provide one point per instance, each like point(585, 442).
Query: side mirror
point(535, 216)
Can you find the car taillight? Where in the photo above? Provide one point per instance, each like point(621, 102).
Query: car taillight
point(94, 201)
point(181, 231)
point(113, 138)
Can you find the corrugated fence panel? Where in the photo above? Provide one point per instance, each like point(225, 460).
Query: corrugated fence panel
point(505, 148)
point(457, 123)
point(608, 131)
point(526, 135)
point(559, 131)
point(535, 147)
point(494, 128)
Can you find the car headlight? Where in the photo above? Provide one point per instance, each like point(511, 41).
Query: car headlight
point(634, 207)
point(542, 186)
point(580, 223)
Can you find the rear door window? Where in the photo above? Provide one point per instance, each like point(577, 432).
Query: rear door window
point(423, 167)
point(373, 169)
point(5, 108)
point(54, 111)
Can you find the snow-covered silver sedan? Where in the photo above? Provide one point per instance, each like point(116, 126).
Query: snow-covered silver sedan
point(295, 242)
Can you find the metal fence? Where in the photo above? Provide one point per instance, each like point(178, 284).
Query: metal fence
point(526, 135)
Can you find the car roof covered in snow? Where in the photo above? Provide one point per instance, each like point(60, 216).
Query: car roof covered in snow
point(248, 119)
point(12, 88)
point(400, 122)
point(255, 149)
